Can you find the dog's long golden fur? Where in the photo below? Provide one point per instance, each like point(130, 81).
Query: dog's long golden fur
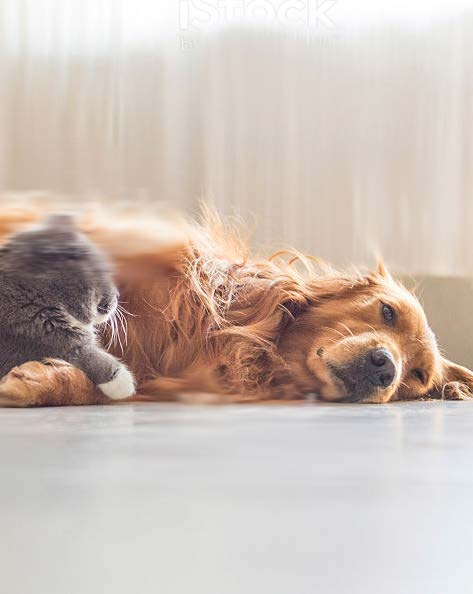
point(202, 316)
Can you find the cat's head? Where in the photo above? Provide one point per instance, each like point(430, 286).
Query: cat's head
point(62, 268)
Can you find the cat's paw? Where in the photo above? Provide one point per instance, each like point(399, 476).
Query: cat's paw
point(121, 386)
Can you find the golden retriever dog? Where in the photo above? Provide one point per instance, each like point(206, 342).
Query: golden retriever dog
point(200, 316)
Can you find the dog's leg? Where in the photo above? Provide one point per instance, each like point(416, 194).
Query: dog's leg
point(52, 383)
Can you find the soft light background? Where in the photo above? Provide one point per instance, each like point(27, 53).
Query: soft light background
point(342, 127)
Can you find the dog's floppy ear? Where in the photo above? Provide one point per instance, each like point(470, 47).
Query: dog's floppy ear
point(456, 383)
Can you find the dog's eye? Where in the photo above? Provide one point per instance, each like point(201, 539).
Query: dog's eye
point(420, 375)
point(388, 314)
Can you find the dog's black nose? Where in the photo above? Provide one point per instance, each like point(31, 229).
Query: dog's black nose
point(380, 368)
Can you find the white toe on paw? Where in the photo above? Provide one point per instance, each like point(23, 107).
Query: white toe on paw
point(121, 386)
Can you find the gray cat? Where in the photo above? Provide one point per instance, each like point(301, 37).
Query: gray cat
point(55, 287)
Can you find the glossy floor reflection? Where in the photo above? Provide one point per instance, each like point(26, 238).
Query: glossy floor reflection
point(166, 499)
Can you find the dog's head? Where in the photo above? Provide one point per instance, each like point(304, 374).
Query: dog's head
point(368, 340)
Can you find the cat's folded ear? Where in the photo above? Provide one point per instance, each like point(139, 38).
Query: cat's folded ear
point(60, 221)
point(456, 383)
point(60, 239)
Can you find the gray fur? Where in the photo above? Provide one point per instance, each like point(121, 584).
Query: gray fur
point(55, 287)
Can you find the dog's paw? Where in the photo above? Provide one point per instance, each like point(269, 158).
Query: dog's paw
point(121, 386)
point(16, 388)
point(25, 385)
point(456, 391)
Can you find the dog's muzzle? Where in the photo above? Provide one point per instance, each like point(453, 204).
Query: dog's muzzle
point(372, 371)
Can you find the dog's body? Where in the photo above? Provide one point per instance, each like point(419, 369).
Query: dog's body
point(203, 317)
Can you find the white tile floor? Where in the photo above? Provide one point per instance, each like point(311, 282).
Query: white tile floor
point(167, 499)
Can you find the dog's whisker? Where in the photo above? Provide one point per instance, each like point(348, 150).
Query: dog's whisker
point(334, 330)
point(373, 329)
point(332, 340)
point(347, 328)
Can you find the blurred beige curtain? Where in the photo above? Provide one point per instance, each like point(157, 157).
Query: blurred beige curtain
point(343, 139)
